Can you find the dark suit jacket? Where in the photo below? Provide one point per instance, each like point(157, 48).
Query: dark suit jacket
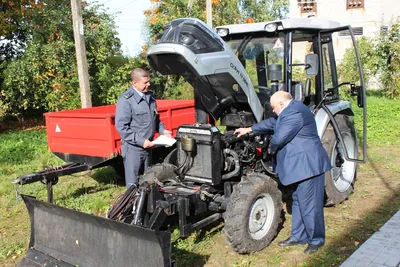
point(299, 151)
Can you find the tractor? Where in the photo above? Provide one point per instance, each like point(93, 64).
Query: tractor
point(212, 174)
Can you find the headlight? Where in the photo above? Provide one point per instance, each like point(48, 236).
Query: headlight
point(223, 32)
point(271, 27)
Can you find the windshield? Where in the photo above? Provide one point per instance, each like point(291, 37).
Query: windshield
point(256, 53)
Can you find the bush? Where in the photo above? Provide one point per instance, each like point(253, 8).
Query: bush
point(380, 59)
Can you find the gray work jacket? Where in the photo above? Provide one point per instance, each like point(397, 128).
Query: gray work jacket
point(136, 118)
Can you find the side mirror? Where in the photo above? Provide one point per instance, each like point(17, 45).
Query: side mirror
point(312, 65)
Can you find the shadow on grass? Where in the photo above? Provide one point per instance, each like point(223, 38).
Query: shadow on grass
point(185, 257)
point(188, 258)
point(107, 175)
point(338, 250)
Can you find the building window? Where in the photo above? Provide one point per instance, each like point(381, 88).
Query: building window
point(307, 6)
point(352, 4)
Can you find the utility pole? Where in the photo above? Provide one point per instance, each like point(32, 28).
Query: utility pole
point(209, 13)
point(80, 48)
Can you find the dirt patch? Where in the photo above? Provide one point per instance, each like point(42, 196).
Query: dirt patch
point(10, 126)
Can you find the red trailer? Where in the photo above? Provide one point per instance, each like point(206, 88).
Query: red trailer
point(89, 135)
point(87, 138)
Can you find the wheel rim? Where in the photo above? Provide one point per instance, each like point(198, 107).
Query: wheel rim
point(261, 216)
point(343, 174)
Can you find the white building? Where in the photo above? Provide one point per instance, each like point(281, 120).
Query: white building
point(367, 17)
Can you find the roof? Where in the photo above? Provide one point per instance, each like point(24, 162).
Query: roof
point(294, 23)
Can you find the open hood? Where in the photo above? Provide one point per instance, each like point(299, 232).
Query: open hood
point(190, 48)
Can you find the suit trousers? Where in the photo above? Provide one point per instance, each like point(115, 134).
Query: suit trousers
point(308, 211)
point(136, 162)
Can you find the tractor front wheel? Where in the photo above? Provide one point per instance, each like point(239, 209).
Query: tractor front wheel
point(253, 213)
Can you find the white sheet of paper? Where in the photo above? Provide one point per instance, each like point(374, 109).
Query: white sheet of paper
point(164, 141)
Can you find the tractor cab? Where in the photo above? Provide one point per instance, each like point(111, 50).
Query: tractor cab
point(299, 56)
point(294, 55)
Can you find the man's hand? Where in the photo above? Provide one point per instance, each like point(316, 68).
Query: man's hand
point(167, 133)
point(147, 143)
point(242, 131)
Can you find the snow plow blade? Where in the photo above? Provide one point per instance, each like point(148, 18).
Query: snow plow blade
point(63, 237)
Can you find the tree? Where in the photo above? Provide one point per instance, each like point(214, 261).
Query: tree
point(45, 75)
point(14, 23)
point(380, 58)
point(389, 50)
point(265, 10)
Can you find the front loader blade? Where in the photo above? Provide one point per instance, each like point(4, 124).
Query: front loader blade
point(63, 237)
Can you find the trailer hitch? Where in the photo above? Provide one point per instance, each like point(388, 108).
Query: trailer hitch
point(49, 176)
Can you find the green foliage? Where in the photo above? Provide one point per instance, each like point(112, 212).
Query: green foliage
point(380, 59)
point(383, 121)
point(370, 60)
point(26, 151)
point(15, 19)
point(389, 48)
point(45, 76)
point(265, 10)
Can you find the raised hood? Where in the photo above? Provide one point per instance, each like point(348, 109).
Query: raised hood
point(190, 48)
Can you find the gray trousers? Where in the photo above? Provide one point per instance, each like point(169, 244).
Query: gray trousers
point(136, 162)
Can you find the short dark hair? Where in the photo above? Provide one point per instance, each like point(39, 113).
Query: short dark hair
point(138, 73)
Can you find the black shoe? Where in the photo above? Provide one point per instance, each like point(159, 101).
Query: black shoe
point(289, 242)
point(312, 248)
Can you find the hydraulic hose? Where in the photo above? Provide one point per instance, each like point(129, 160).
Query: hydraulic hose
point(237, 164)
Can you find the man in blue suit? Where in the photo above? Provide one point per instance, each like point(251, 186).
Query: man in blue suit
point(301, 161)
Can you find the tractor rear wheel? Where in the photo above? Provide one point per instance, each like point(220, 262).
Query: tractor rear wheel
point(163, 173)
point(339, 181)
point(253, 213)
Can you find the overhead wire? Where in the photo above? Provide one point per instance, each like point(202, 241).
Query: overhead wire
point(116, 9)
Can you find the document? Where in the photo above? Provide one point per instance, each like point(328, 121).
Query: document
point(162, 140)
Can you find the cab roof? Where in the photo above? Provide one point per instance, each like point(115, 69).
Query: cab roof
point(285, 24)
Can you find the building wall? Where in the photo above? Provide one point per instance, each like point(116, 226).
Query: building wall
point(375, 12)
point(374, 15)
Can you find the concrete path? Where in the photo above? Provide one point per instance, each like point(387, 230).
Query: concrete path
point(382, 249)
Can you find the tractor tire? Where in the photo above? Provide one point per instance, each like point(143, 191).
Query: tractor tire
point(163, 173)
point(339, 181)
point(253, 213)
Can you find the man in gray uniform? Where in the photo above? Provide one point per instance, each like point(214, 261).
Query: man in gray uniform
point(137, 120)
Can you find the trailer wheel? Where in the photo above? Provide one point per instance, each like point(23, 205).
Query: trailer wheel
point(253, 213)
point(161, 173)
point(339, 181)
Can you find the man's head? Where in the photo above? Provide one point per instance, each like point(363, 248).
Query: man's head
point(140, 79)
point(279, 101)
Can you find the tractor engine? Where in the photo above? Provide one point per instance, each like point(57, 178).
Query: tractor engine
point(208, 156)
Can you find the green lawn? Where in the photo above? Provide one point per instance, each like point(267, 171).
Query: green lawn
point(377, 197)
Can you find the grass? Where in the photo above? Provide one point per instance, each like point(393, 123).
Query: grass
point(23, 152)
point(376, 199)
